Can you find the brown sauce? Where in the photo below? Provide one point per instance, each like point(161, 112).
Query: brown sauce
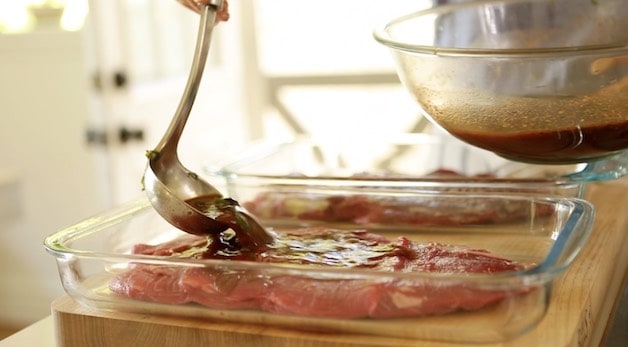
point(556, 146)
point(228, 214)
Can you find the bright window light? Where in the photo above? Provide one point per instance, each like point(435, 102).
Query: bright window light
point(15, 17)
point(74, 15)
point(20, 16)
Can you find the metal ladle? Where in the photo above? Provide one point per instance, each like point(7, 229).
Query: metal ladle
point(179, 195)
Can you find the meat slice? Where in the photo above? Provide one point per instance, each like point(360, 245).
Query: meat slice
point(225, 289)
point(363, 209)
point(310, 293)
point(151, 283)
point(366, 209)
point(306, 296)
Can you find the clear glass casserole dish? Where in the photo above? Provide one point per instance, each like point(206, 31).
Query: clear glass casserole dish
point(544, 237)
point(418, 161)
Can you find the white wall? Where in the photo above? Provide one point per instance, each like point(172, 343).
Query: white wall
point(50, 178)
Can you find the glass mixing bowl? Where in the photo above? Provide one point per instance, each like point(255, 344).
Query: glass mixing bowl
point(531, 80)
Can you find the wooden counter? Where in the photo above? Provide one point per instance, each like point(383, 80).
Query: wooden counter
point(582, 303)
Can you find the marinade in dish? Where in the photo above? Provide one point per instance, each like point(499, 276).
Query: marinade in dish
point(314, 294)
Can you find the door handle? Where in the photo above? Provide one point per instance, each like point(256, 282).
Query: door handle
point(96, 137)
point(125, 135)
point(120, 79)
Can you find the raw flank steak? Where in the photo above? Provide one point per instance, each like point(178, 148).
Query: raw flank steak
point(310, 294)
point(388, 210)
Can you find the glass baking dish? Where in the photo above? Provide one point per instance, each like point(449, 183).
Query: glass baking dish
point(545, 235)
point(424, 162)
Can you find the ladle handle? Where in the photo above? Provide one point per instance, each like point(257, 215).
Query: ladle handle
point(175, 129)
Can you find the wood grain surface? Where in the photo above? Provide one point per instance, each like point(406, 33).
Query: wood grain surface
point(582, 302)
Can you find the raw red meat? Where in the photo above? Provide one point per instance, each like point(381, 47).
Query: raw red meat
point(310, 294)
point(371, 209)
point(362, 209)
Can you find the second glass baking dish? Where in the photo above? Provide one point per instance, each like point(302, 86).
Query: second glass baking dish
point(422, 162)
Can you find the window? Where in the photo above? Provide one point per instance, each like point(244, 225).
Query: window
point(21, 16)
point(321, 69)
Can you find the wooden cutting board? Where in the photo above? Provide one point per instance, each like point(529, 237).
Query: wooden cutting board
point(583, 300)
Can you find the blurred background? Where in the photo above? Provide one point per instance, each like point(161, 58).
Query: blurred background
point(88, 86)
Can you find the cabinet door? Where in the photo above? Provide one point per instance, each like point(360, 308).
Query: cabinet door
point(141, 55)
point(51, 178)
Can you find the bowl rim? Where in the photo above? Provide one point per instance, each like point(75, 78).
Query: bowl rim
point(381, 34)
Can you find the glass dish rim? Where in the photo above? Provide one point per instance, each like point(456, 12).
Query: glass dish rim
point(594, 171)
point(580, 218)
point(381, 35)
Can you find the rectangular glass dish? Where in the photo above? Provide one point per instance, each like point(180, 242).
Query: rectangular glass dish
point(422, 162)
point(544, 235)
